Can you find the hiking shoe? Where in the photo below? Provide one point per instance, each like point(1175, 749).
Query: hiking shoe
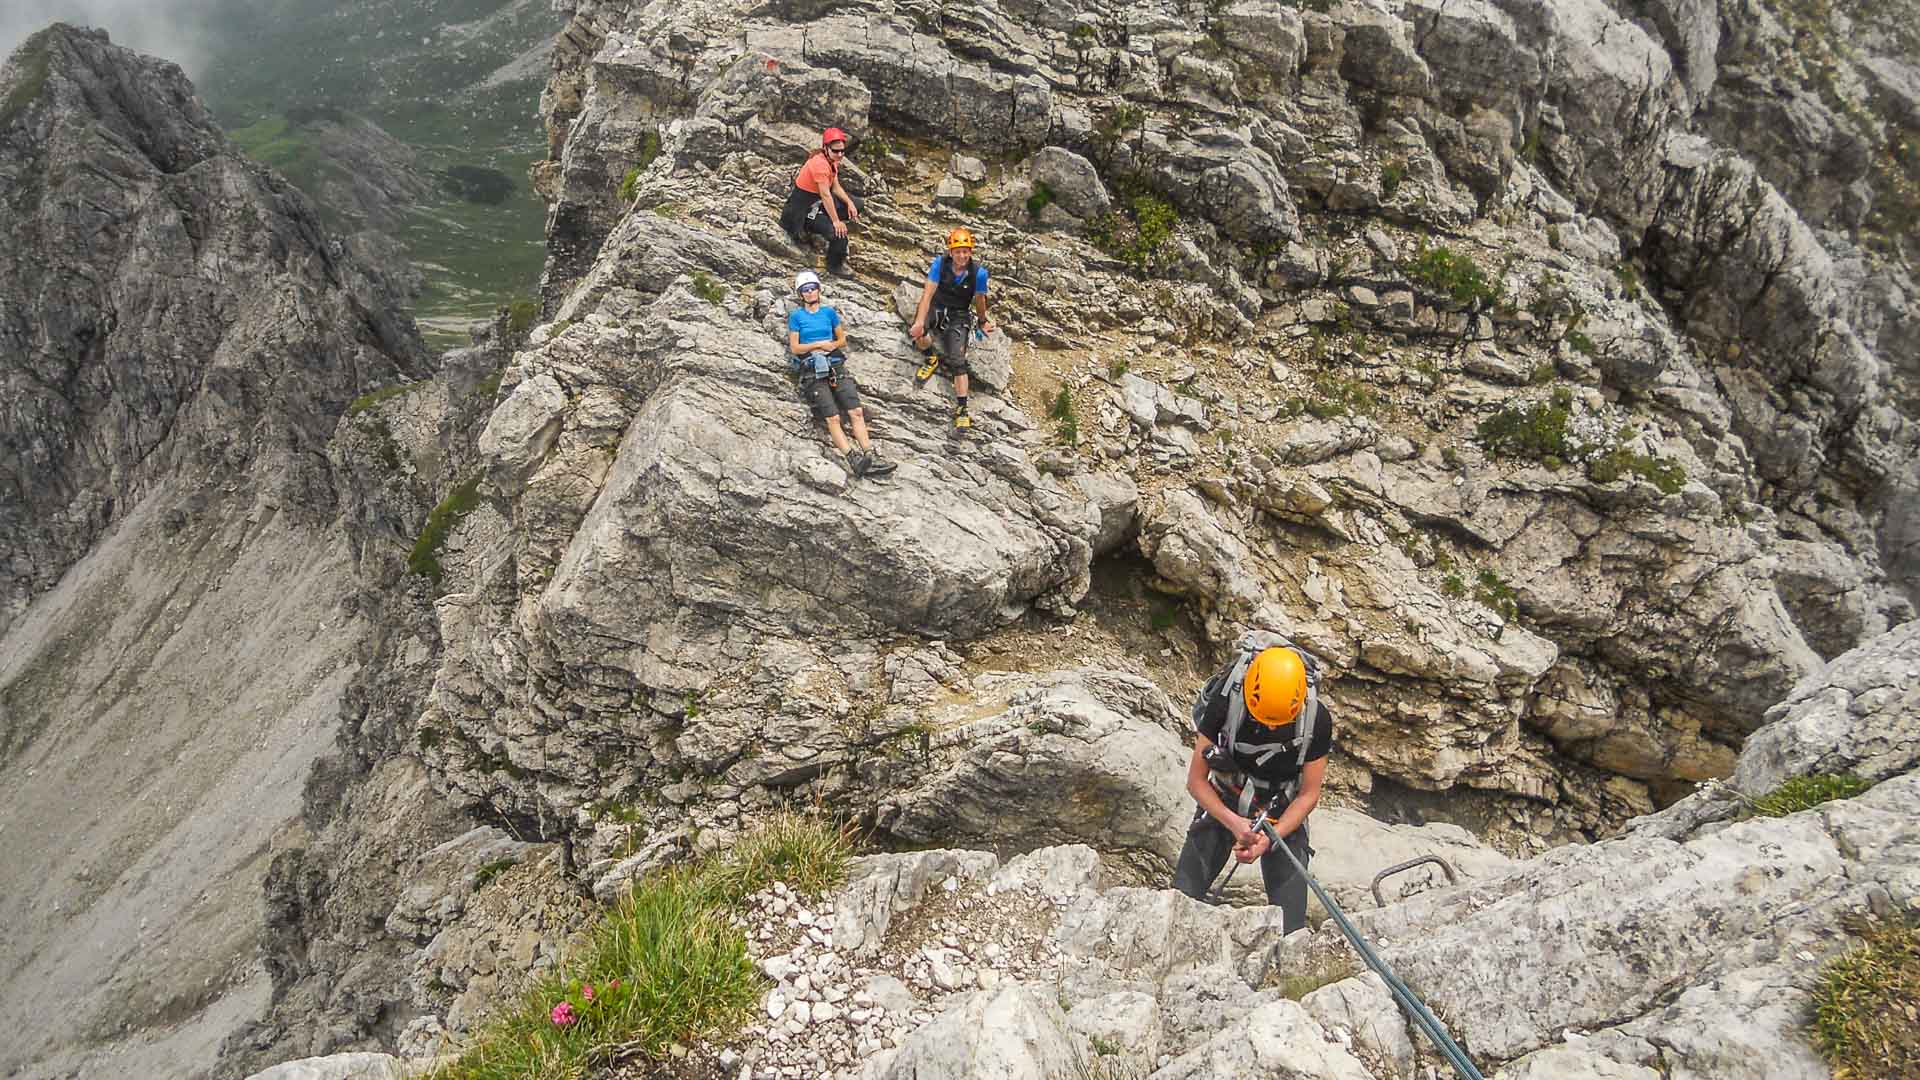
point(859, 461)
point(926, 370)
point(840, 271)
point(961, 421)
point(879, 466)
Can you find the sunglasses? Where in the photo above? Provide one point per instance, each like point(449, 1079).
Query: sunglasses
point(809, 288)
point(837, 149)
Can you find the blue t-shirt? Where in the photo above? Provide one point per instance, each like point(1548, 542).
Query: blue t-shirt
point(819, 325)
point(979, 274)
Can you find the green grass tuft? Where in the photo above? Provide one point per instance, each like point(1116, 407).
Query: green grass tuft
point(708, 289)
point(1061, 411)
point(425, 557)
point(521, 315)
point(1140, 236)
point(1449, 273)
point(1391, 174)
point(1664, 473)
point(1867, 1002)
point(1039, 200)
point(629, 184)
point(1805, 792)
point(1536, 431)
point(36, 65)
point(491, 870)
point(665, 966)
point(370, 399)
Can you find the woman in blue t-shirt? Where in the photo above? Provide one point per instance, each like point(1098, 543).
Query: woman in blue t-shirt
point(817, 348)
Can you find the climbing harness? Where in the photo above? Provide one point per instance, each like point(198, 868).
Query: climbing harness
point(1416, 1010)
point(1250, 645)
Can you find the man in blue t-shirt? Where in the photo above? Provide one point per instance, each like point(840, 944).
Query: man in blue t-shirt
point(817, 353)
point(955, 294)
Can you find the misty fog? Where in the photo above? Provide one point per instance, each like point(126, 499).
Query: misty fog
point(179, 30)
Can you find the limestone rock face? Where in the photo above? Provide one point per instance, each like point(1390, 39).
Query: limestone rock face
point(182, 619)
point(172, 306)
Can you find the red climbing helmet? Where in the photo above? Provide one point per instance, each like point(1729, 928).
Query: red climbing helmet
point(831, 136)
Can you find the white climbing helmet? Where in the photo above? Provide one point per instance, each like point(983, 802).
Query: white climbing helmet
point(805, 278)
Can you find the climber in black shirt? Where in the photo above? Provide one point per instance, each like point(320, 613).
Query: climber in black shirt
point(1263, 737)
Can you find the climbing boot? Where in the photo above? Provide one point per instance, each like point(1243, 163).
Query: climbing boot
point(877, 465)
point(961, 421)
point(858, 462)
point(926, 371)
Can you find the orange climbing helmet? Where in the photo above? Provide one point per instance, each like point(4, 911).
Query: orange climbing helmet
point(831, 136)
point(960, 238)
point(1276, 686)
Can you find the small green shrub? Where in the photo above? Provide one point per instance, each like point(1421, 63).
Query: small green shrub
point(425, 557)
point(1041, 198)
point(374, 397)
point(1391, 173)
point(1450, 457)
point(708, 289)
point(1867, 1001)
point(649, 149)
point(521, 315)
point(1116, 368)
point(1162, 613)
point(1541, 375)
point(1336, 396)
point(1061, 411)
point(489, 871)
point(630, 184)
point(1805, 792)
point(1581, 343)
point(1496, 594)
point(1453, 586)
point(1138, 237)
point(1536, 431)
point(970, 203)
point(489, 387)
point(1453, 274)
point(1664, 473)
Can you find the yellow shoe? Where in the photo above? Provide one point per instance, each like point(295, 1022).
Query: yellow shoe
point(926, 371)
point(961, 421)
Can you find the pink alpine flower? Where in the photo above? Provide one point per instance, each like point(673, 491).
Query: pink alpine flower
point(563, 1014)
point(586, 991)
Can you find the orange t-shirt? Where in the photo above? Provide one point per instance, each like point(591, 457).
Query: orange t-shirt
point(817, 175)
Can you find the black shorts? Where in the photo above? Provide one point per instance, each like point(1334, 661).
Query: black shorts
point(951, 337)
point(838, 394)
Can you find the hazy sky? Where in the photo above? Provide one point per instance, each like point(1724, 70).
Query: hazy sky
point(175, 29)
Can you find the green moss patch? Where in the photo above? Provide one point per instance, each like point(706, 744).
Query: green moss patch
point(425, 557)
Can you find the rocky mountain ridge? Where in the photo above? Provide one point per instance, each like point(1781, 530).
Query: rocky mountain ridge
point(182, 615)
point(1450, 339)
point(1587, 963)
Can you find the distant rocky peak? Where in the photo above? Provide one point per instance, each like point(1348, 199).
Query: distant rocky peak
point(170, 310)
point(65, 75)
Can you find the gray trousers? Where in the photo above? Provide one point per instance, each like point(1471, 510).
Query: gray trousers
point(1209, 845)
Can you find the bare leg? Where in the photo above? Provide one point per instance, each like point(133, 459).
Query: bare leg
point(960, 386)
point(839, 437)
point(859, 419)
